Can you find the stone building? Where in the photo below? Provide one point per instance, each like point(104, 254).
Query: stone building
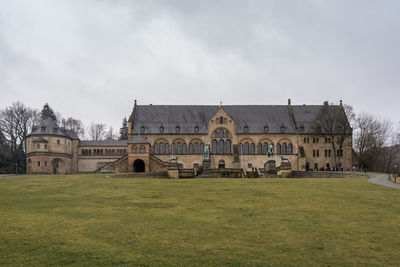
point(237, 136)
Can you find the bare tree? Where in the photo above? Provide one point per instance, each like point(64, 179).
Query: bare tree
point(370, 138)
point(73, 125)
point(332, 122)
point(111, 135)
point(97, 131)
point(15, 122)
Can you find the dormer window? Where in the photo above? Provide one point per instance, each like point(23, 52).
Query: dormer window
point(196, 129)
point(177, 129)
point(43, 128)
point(161, 129)
point(302, 127)
point(319, 127)
point(266, 128)
point(246, 128)
point(34, 129)
point(283, 128)
point(55, 129)
point(142, 129)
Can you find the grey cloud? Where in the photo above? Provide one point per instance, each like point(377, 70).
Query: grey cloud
point(90, 59)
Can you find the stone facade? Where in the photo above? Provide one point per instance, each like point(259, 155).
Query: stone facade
point(159, 133)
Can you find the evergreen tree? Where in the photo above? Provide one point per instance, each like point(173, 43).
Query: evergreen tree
point(48, 112)
point(123, 131)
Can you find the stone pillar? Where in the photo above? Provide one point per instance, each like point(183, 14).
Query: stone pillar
point(270, 167)
point(206, 165)
point(173, 171)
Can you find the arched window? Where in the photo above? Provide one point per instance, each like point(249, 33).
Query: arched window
point(215, 134)
point(265, 148)
point(221, 147)
point(161, 148)
point(228, 146)
point(142, 149)
point(278, 149)
point(259, 149)
point(290, 149)
point(240, 149)
point(167, 148)
point(190, 148)
point(201, 148)
point(226, 134)
point(184, 149)
point(113, 152)
point(246, 148)
point(252, 149)
point(178, 148)
point(284, 148)
point(214, 146)
point(156, 148)
point(196, 148)
point(221, 133)
point(221, 120)
point(173, 149)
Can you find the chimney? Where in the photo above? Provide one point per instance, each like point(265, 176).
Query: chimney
point(325, 103)
point(289, 102)
point(341, 102)
point(135, 104)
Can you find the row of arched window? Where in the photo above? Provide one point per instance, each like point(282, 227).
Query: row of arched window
point(178, 148)
point(262, 149)
point(221, 133)
point(101, 152)
point(140, 149)
point(221, 146)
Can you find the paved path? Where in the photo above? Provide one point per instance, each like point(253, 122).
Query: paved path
point(382, 179)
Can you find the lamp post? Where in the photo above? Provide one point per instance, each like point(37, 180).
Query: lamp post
point(16, 168)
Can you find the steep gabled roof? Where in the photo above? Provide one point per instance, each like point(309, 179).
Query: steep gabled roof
point(193, 119)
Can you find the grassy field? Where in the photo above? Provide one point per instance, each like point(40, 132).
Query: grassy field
point(95, 220)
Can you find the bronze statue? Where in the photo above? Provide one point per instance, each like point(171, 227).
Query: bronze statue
point(270, 151)
point(206, 152)
point(284, 159)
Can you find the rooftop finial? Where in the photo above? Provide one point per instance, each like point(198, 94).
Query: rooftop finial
point(135, 103)
point(220, 104)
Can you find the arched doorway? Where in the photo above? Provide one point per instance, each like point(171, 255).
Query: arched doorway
point(307, 166)
point(221, 164)
point(138, 165)
point(58, 166)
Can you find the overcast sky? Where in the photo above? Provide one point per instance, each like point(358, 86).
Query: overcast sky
point(91, 59)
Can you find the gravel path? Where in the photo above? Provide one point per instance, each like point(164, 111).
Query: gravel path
point(382, 179)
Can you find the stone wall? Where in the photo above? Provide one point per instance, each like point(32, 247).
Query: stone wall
point(324, 174)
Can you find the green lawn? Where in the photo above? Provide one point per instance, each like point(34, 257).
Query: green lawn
point(95, 220)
